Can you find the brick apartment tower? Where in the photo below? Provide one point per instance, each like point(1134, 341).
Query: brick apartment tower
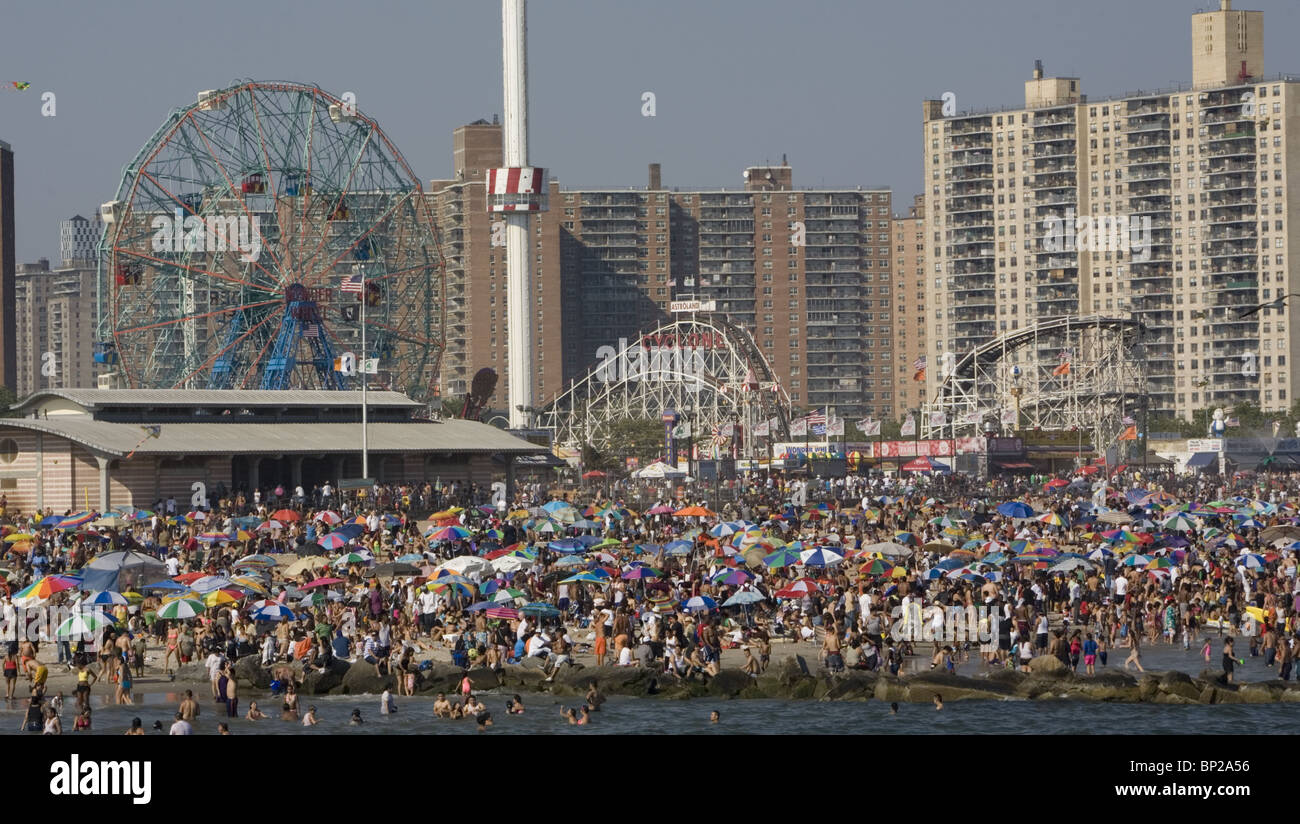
point(8, 269)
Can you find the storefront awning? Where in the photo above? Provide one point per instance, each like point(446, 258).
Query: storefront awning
point(1014, 465)
point(1201, 460)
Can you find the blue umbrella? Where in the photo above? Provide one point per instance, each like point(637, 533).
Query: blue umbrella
point(106, 598)
point(588, 540)
point(163, 586)
point(49, 521)
point(1015, 509)
point(411, 558)
point(349, 531)
point(586, 524)
point(648, 549)
point(566, 545)
point(950, 563)
point(700, 603)
point(748, 596)
point(273, 612)
point(480, 606)
point(540, 608)
point(678, 548)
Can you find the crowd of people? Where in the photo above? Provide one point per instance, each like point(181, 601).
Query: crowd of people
point(1084, 569)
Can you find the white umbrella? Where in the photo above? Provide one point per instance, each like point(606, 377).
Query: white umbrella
point(887, 548)
point(511, 563)
point(85, 624)
point(468, 565)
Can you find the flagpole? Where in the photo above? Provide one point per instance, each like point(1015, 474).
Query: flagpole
point(365, 440)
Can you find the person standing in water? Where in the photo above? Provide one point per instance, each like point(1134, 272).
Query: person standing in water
point(1228, 660)
point(1135, 651)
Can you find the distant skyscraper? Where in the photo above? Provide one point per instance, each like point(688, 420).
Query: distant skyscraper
point(1197, 180)
point(55, 330)
point(807, 272)
point(78, 239)
point(8, 314)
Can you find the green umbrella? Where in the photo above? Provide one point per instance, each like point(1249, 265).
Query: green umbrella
point(85, 624)
point(181, 608)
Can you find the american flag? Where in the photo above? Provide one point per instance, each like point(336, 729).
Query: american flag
point(816, 417)
point(1127, 420)
point(351, 283)
point(919, 364)
point(311, 330)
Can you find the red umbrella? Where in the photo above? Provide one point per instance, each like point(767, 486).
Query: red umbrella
point(595, 473)
point(1056, 483)
point(285, 515)
point(1088, 470)
point(189, 577)
point(322, 582)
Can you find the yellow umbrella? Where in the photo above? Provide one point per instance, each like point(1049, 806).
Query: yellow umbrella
point(249, 582)
point(1257, 613)
point(19, 536)
point(243, 535)
point(221, 596)
point(133, 596)
point(518, 513)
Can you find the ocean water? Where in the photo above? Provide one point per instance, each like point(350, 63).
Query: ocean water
point(649, 716)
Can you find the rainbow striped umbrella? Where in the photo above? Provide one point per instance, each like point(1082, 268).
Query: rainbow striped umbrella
point(45, 588)
point(74, 521)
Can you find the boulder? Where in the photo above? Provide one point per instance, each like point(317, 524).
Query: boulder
point(1148, 687)
point(249, 672)
point(856, 685)
point(484, 678)
point(1107, 685)
point(1048, 665)
point(1262, 692)
point(1037, 686)
point(1179, 683)
point(729, 683)
point(924, 686)
point(891, 688)
point(320, 682)
point(1214, 676)
point(443, 678)
point(1173, 698)
point(1007, 676)
point(360, 679)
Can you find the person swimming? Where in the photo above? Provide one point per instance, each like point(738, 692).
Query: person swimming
point(356, 718)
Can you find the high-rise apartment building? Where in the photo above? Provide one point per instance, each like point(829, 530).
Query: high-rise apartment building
point(807, 272)
point(909, 307)
point(78, 240)
point(8, 264)
point(55, 333)
point(1190, 187)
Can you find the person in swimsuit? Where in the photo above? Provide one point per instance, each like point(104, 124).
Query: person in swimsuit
point(137, 727)
point(1228, 660)
point(85, 678)
point(53, 726)
point(173, 649)
point(83, 721)
point(11, 675)
point(124, 685)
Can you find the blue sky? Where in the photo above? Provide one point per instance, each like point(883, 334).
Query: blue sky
point(835, 85)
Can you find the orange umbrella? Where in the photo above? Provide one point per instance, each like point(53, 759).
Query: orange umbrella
point(693, 511)
point(285, 515)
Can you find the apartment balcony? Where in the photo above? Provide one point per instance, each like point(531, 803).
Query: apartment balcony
point(965, 238)
point(1148, 124)
point(1057, 196)
point(1152, 171)
point(1054, 180)
point(983, 125)
point(960, 160)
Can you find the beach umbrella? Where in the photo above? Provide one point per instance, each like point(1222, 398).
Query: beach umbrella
point(213, 537)
point(1015, 509)
point(585, 578)
point(678, 548)
point(693, 512)
point(250, 583)
point(743, 598)
point(1069, 564)
point(1051, 519)
point(1159, 563)
point(1250, 561)
point(1136, 560)
point(412, 558)
point(540, 609)
point(268, 526)
point(782, 558)
point(105, 599)
point(19, 536)
point(85, 624)
point(209, 583)
point(181, 609)
point(1179, 523)
point(256, 560)
point(638, 573)
point(322, 582)
point(74, 521)
point(359, 557)
point(888, 548)
point(333, 541)
point(273, 612)
point(391, 570)
point(328, 517)
point(308, 564)
point(217, 597)
point(120, 571)
point(510, 613)
point(505, 596)
point(699, 603)
point(49, 521)
point(286, 515)
point(45, 588)
point(450, 533)
point(820, 557)
point(732, 577)
point(468, 565)
point(876, 567)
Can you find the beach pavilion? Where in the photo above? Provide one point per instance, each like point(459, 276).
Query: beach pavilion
point(100, 448)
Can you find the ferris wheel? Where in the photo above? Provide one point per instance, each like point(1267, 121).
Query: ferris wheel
point(254, 235)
